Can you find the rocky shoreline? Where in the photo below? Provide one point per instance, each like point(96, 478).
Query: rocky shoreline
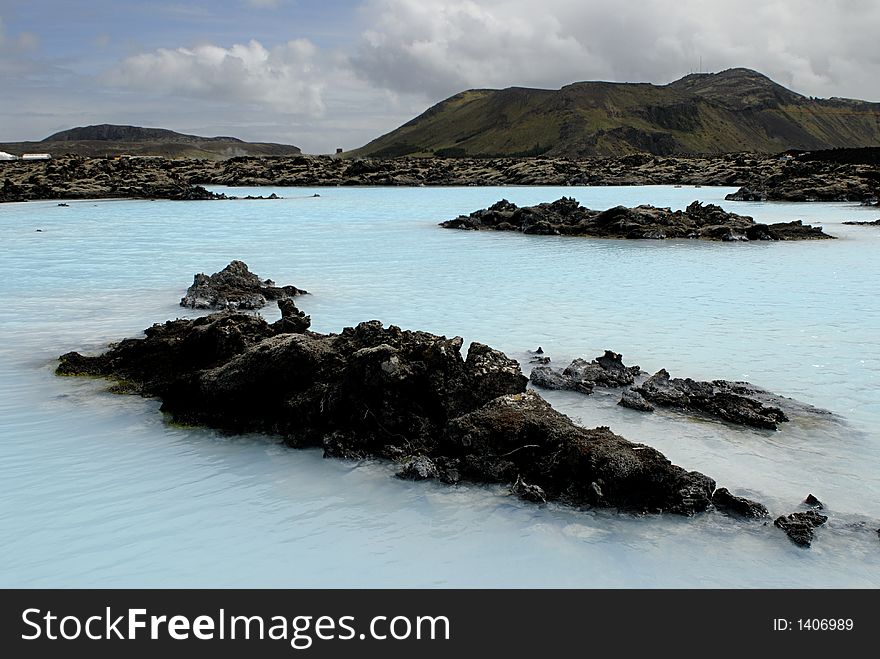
point(566, 217)
point(759, 176)
point(411, 397)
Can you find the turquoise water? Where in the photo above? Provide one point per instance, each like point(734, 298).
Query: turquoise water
point(99, 491)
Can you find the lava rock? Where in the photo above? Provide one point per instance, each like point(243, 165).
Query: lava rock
point(635, 401)
point(521, 436)
point(875, 223)
point(376, 391)
point(528, 492)
point(418, 468)
point(813, 502)
point(738, 506)
point(234, 287)
point(292, 319)
point(735, 402)
point(566, 217)
point(799, 526)
point(607, 370)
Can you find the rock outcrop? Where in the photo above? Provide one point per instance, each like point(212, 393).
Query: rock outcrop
point(799, 526)
point(236, 287)
point(735, 402)
point(607, 370)
point(738, 506)
point(875, 223)
point(382, 391)
point(566, 217)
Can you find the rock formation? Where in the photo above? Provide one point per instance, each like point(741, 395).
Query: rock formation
point(236, 287)
point(566, 217)
point(404, 395)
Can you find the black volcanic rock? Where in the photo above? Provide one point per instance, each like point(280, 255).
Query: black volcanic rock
point(418, 468)
point(738, 506)
point(236, 287)
point(293, 320)
point(80, 177)
point(607, 370)
point(382, 391)
point(818, 176)
point(799, 526)
point(566, 217)
point(635, 401)
point(875, 223)
point(736, 402)
point(520, 436)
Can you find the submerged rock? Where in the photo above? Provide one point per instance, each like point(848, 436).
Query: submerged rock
point(566, 217)
point(736, 402)
point(386, 392)
point(607, 370)
point(234, 287)
point(799, 526)
point(738, 506)
point(528, 492)
point(875, 223)
point(635, 401)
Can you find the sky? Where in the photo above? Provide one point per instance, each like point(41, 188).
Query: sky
point(338, 73)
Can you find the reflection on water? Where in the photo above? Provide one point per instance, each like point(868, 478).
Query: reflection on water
point(100, 490)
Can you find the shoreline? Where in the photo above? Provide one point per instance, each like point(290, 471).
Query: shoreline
point(757, 177)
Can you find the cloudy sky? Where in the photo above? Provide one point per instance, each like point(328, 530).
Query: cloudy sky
point(328, 73)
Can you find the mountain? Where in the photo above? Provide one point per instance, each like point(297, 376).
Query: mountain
point(731, 111)
point(110, 140)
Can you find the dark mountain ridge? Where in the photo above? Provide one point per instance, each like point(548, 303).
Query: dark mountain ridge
point(108, 140)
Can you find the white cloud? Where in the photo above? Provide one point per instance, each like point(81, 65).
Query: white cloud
point(287, 79)
point(271, 4)
point(438, 47)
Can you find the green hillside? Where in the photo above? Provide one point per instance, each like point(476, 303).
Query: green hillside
point(735, 110)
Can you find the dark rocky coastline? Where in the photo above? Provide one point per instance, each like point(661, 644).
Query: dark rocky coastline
point(566, 217)
point(807, 179)
point(763, 176)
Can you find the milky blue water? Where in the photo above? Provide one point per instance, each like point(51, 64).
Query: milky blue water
point(98, 490)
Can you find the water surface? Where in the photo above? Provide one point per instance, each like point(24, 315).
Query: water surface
point(100, 491)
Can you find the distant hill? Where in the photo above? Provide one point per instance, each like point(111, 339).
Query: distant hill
point(709, 113)
point(112, 140)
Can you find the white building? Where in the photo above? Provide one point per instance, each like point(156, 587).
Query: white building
point(7, 156)
point(35, 156)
